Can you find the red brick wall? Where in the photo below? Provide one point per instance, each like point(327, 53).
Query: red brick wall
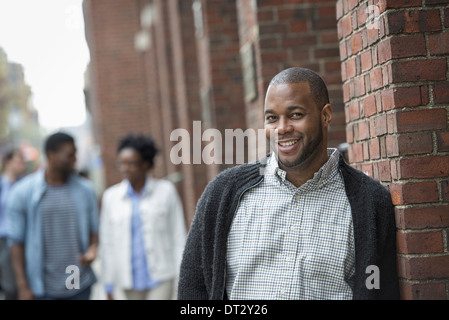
point(249, 35)
point(296, 33)
point(186, 87)
point(184, 76)
point(117, 76)
point(165, 77)
point(153, 94)
point(225, 78)
point(395, 76)
point(390, 84)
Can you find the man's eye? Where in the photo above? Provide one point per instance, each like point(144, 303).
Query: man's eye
point(270, 118)
point(297, 115)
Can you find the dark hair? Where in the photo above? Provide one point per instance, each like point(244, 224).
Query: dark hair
point(56, 140)
point(144, 145)
point(8, 156)
point(296, 74)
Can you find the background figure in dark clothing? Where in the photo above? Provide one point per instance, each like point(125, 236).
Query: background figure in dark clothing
point(14, 167)
point(53, 215)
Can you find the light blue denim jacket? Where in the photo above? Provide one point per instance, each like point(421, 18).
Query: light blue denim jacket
point(24, 220)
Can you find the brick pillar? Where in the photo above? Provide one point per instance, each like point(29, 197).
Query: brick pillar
point(251, 69)
point(186, 87)
point(153, 94)
point(395, 79)
point(117, 76)
point(221, 83)
point(165, 76)
point(293, 33)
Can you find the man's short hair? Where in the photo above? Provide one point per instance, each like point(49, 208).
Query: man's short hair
point(56, 140)
point(144, 145)
point(9, 156)
point(296, 74)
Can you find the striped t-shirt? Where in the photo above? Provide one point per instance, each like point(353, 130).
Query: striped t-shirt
point(61, 243)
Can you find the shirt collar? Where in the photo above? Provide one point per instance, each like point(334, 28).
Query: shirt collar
point(132, 193)
point(4, 180)
point(320, 177)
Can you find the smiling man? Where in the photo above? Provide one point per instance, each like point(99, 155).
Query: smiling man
point(311, 227)
point(298, 118)
point(52, 217)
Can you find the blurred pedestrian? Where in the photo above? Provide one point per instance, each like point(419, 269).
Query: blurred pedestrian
point(53, 219)
point(84, 173)
point(14, 167)
point(142, 227)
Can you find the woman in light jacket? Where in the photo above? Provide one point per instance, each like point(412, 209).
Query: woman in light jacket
point(142, 227)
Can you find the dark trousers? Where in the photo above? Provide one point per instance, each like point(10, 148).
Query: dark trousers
point(81, 295)
point(7, 279)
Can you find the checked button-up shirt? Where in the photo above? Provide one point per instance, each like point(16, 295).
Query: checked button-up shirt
point(292, 243)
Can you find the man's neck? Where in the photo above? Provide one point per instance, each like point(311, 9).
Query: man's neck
point(55, 178)
point(138, 185)
point(10, 176)
point(300, 174)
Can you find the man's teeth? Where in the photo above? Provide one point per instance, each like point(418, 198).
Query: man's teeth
point(287, 144)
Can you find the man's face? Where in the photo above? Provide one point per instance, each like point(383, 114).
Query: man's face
point(64, 159)
point(17, 164)
point(292, 115)
point(131, 165)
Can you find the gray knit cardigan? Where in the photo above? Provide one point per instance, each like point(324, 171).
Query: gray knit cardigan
point(202, 274)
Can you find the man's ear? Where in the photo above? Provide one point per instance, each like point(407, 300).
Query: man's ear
point(50, 155)
point(326, 115)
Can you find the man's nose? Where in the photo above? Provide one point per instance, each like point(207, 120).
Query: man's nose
point(284, 126)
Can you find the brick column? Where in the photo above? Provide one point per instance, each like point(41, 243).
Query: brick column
point(165, 77)
point(153, 94)
point(186, 87)
point(221, 83)
point(117, 76)
point(395, 79)
point(293, 33)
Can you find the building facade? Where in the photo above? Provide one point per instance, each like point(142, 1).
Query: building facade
point(19, 125)
point(203, 66)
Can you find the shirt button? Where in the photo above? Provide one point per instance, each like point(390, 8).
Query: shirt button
point(293, 228)
point(288, 259)
point(297, 197)
point(282, 291)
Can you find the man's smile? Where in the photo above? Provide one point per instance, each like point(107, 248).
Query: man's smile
point(287, 145)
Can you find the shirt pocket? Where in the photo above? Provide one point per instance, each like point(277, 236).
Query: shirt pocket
point(154, 218)
point(325, 277)
point(117, 217)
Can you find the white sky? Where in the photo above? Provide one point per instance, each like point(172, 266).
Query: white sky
point(47, 38)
